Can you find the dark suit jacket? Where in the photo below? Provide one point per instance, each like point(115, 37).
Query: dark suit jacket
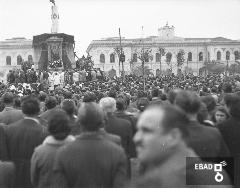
point(7, 174)
point(90, 161)
point(230, 130)
point(10, 115)
point(3, 145)
point(122, 128)
point(133, 121)
point(206, 141)
point(22, 137)
point(111, 137)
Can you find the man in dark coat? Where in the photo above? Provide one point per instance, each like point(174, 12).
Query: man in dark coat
point(205, 141)
point(230, 130)
point(9, 114)
point(117, 126)
point(7, 174)
point(92, 160)
point(3, 145)
point(22, 137)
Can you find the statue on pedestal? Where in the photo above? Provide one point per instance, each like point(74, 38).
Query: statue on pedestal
point(55, 17)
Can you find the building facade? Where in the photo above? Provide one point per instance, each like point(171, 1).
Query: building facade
point(12, 53)
point(197, 51)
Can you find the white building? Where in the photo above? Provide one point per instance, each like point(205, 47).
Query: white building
point(197, 51)
point(12, 53)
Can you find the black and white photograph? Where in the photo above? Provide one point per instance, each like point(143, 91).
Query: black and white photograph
point(119, 93)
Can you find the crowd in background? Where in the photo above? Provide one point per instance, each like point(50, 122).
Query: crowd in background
point(61, 130)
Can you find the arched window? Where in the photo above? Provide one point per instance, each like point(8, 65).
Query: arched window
point(112, 58)
point(8, 60)
point(157, 57)
point(200, 56)
point(219, 55)
point(189, 56)
point(236, 54)
point(135, 57)
point(168, 57)
point(30, 59)
point(227, 55)
point(19, 60)
point(102, 58)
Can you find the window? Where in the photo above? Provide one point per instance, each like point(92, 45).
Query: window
point(227, 55)
point(189, 56)
point(157, 57)
point(200, 56)
point(19, 60)
point(236, 54)
point(219, 55)
point(208, 56)
point(8, 60)
point(135, 57)
point(102, 58)
point(30, 59)
point(112, 58)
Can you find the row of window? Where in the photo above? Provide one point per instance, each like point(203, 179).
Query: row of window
point(19, 59)
point(169, 57)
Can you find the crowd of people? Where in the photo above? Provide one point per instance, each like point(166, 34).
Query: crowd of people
point(74, 131)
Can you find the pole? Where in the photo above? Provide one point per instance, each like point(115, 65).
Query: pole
point(121, 52)
point(143, 62)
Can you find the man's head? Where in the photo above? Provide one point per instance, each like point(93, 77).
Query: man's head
point(51, 102)
point(108, 104)
point(90, 117)
point(7, 98)
point(160, 130)
point(188, 101)
point(30, 106)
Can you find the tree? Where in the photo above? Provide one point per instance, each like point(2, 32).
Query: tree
point(144, 56)
point(161, 53)
point(138, 71)
point(180, 58)
point(169, 59)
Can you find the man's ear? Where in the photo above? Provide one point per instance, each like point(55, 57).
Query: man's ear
point(175, 136)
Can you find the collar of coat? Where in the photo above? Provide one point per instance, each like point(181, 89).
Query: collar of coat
point(53, 141)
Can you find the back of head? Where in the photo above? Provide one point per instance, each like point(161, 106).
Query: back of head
point(227, 88)
point(68, 106)
point(30, 106)
point(172, 95)
point(209, 102)
point(108, 104)
point(188, 101)
point(51, 102)
point(89, 97)
point(235, 107)
point(90, 116)
point(7, 98)
point(120, 104)
point(58, 124)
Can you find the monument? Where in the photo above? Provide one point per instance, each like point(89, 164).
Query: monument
point(54, 50)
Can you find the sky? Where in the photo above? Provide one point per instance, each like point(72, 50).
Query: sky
point(91, 20)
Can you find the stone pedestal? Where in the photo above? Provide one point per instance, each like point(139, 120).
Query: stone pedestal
point(54, 47)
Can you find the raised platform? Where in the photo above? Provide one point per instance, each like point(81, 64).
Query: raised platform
point(51, 47)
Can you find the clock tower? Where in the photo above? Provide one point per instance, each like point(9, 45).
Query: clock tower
point(166, 32)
